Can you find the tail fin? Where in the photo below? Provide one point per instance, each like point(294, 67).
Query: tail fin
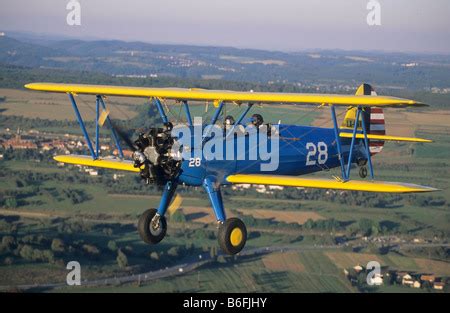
point(374, 119)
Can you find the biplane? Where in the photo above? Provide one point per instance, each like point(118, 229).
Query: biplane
point(302, 150)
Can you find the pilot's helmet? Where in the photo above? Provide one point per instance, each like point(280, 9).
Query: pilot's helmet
point(229, 120)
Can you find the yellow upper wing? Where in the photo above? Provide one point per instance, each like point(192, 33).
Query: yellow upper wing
point(356, 185)
point(226, 95)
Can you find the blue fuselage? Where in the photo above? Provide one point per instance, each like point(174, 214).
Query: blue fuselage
point(302, 150)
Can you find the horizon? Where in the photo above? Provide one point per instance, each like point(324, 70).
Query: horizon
point(25, 36)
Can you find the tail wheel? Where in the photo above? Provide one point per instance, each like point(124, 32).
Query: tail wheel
point(232, 236)
point(151, 227)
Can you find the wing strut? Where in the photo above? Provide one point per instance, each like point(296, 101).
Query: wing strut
point(346, 170)
point(113, 132)
point(160, 108)
point(188, 113)
point(82, 126)
point(95, 153)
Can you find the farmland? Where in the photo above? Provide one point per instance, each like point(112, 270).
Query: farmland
point(83, 211)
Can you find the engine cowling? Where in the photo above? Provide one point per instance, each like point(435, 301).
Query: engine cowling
point(153, 155)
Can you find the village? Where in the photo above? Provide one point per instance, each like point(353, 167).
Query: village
point(54, 143)
point(386, 276)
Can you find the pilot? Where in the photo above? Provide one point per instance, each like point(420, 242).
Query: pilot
point(257, 120)
point(228, 122)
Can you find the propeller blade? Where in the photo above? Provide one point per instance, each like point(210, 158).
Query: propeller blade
point(175, 205)
point(123, 134)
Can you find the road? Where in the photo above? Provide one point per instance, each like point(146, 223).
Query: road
point(188, 265)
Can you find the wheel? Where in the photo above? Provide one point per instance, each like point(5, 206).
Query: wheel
point(232, 236)
point(363, 172)
point(152, 230)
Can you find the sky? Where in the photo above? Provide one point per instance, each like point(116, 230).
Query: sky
point(285, 25)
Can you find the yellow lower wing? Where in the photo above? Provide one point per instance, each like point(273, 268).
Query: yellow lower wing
point(356, 185)
point(384, 137)
point(114, 164)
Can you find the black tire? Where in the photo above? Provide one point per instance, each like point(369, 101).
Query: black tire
point(233, 229)
point(363, 172)
point(148, 234)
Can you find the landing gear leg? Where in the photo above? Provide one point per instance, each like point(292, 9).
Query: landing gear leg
point(152, 225)
point(232, 232)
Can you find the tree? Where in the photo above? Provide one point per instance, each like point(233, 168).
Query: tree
point(121, 259)
point(57, 245)
point(309, 224)
point(8, 241)
point(174, 251)
point(91, 250)
point(178, 217)
point(112, 245)
point(154, 256)
point(366, 226)
point(26, 252)
point(11, 203)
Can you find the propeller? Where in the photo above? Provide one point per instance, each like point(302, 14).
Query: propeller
point(124, 136)
point(175, 205)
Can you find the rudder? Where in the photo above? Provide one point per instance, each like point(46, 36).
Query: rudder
point(374, 119)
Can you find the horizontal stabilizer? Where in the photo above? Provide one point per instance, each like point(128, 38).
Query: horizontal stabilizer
point(384, 137)
point(226, 95)
point(114, 164)
point(322, 183)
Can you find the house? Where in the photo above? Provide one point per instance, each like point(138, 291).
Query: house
point(46, 146)
point(439, 285)
point(377, 280)
point(126, 153)
point(358, 268)
point(18, 143)
point(404, 278)
point(407, 281)
point(274, 187)
point(241, 186)
point(430, 278)
point(399, 276)
point(58, 144)
point(117, 176)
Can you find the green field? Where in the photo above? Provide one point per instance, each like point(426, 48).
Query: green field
point(106, 206)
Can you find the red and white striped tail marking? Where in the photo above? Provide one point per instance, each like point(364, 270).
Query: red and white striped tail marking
point(377, 128)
